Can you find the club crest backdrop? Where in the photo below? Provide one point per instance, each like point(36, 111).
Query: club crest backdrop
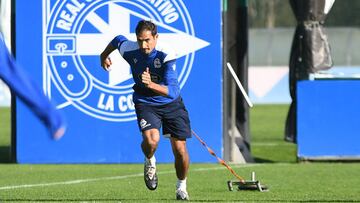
point(59, 43)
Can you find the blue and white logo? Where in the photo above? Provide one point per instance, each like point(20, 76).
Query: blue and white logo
point(76, 31)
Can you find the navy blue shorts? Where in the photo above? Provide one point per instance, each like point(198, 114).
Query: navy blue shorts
point(172, 117)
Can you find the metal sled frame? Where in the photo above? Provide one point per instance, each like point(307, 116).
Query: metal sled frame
point(247, 184)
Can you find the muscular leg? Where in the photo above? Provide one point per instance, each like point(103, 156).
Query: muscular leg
point(150, 142)
point(181, 157)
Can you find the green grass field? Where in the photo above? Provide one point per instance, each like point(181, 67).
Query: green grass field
point(276, 167)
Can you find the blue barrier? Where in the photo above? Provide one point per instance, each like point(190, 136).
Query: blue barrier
point(60, 45)
point(328, 119)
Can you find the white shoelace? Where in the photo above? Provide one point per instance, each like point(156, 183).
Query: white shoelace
point(150, 171)
point(182, 193)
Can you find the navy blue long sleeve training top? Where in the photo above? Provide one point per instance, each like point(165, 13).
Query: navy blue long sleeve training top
point(162, 67)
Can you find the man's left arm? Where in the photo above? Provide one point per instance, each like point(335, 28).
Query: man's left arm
point(157, 88)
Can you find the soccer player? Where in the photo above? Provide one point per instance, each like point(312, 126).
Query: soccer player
point(157, 100)
point(30, 93)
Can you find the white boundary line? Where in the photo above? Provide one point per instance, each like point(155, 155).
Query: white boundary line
point(71, 182)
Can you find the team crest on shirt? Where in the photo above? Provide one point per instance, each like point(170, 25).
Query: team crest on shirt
point(157, 63)
point(76, 32)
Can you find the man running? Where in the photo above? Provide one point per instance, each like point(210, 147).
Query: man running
point(157, 100)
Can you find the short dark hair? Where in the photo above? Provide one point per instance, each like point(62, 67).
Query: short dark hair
point(146, 25)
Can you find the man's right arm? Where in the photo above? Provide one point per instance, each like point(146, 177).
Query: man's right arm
point(105, 60)
point(104, 57)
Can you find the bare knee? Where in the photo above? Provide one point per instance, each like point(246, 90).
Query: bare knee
point(151, 138)
point(151, 143)
point(179, 148)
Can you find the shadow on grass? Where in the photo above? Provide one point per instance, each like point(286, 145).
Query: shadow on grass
point(5, 156)
point(261, 160)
